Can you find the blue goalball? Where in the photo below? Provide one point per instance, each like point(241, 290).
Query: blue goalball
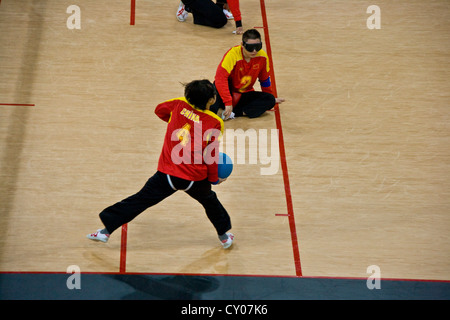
point(225, 165)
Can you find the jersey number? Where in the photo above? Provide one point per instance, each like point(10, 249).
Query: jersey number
point(184, 134)
point(245, 82)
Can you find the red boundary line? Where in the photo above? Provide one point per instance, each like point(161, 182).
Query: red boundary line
point(132, 12)
point(17, 104)
point(287, 189)
point(123, 237)
point(123, 249)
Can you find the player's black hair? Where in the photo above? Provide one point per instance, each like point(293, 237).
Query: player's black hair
point(251, 34)
point(198, 92)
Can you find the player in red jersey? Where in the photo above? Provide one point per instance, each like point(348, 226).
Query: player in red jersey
point(188, 162)
point(236, 75)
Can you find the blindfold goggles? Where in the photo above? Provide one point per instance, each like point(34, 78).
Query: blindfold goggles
point(252, 46)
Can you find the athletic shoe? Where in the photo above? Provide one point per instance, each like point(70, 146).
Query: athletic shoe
point(97, 236)
point(227, 243)
point(181, 12)
point(228, 14)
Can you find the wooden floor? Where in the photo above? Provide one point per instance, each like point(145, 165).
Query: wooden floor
point(366, 131)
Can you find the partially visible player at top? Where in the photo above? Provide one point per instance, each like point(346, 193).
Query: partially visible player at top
point(236, 75)
point(208, 13)
point(188, 162)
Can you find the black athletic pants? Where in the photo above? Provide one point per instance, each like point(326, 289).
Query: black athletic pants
point(253, 104)
point(206, 13)
point(157, 188)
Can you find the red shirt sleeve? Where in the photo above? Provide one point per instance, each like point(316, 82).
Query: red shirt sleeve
point(234, 7)
point(164, 110)
point(213, 168)
point(221, 83)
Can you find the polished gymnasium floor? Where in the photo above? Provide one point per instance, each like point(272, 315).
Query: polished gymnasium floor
point(363, 142)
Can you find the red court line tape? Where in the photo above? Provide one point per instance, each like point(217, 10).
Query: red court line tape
point(132, 12)
point(287, 188)
point(123, 238)
point(123, 249)
point(17, 104)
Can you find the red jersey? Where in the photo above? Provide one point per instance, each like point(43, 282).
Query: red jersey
point(234, 8)
point(242, 74)
point(190, 149)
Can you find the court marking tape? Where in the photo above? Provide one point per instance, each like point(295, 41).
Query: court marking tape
point(287, 188)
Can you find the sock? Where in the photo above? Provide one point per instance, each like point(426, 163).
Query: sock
point(104, 231)
point(223, 237)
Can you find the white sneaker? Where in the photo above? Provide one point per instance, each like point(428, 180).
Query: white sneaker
point(182, 14)
point(97, 236)
point(227, 243)
point(228, 14)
